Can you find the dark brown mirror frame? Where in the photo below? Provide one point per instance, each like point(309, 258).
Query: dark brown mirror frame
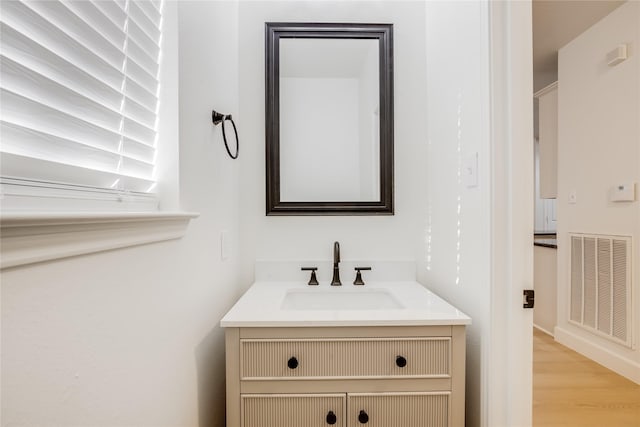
point(384, 34)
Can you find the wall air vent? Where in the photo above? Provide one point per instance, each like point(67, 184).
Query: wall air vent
point(600, 299)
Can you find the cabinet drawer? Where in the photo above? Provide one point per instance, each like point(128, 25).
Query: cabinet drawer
point(293, 410)
point(399, 409)
point(345, 358)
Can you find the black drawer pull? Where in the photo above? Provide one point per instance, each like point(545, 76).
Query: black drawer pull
point(401, 362)
point(292, 363)
point(363, 417)
point(331, 418)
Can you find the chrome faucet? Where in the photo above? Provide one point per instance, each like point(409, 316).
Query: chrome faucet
point(336, 262)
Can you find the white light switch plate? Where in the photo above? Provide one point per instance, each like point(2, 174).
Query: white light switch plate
point(224, 245)
point(573, 197)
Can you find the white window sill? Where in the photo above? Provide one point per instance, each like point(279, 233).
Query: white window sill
point(29, 237)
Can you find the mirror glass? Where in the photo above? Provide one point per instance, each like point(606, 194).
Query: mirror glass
point(329, 119)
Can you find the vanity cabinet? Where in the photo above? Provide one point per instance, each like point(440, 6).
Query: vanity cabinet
point(387, 376)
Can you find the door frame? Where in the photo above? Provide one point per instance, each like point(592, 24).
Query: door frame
point(507, 393)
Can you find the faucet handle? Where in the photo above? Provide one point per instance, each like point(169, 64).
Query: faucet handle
point(359, 280)
point(313, 280)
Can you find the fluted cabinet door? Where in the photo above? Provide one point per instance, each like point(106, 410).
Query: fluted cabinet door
point(399, 409)
point(293, 410)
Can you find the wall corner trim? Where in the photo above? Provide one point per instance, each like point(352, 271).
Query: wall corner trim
point(29, 237)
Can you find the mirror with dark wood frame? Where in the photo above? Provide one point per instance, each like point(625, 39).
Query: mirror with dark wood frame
point(329, 119)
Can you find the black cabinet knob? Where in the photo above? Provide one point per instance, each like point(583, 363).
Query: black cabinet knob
point(292, 363)
point(363, 417)
point(401, 362)
point(331, 418)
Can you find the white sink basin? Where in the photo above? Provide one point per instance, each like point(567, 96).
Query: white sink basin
point(294, 304)
point(339, 299)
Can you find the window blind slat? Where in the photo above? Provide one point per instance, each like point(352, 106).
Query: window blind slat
point(150, 47)
point(33, 26)
point(135, 168)
point(36, 87)
point(29, 84)
point(142, 38)
point(141, 95)
point(46, 147)
point(70, 24)
point(157, 4)
point(49, 171)
point(138, 16)
point(152, 13)
point(111, 9)
point(138, 132)
point(18, 111)
point(136, 150)
point(142, 77)
point(97, 19)
point(21, 140)
point(24, 51)
point(139, 113)
point(137, 54)
point(22, 111)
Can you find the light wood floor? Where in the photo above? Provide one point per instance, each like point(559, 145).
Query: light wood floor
point(570, 390)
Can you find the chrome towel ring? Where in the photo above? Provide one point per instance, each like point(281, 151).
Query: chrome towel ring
point(217, 119)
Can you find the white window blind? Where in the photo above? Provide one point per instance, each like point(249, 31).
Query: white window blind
point(79, 85)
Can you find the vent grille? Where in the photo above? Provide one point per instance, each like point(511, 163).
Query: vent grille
point(600, 298)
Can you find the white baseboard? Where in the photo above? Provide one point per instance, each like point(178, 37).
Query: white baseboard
point(543, 330)
point(620, 365)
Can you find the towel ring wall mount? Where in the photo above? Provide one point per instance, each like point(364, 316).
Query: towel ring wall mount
point(219, 119)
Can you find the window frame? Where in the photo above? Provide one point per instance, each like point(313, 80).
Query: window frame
point(41, 235)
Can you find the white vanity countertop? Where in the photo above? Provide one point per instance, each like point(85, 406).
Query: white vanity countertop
point(263, 305)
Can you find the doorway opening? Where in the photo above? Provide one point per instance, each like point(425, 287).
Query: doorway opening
point(580, 143)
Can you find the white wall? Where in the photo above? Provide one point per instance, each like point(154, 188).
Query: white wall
point(130, 337)
point(599, 147)
point(452, 232)
point(361, 237)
